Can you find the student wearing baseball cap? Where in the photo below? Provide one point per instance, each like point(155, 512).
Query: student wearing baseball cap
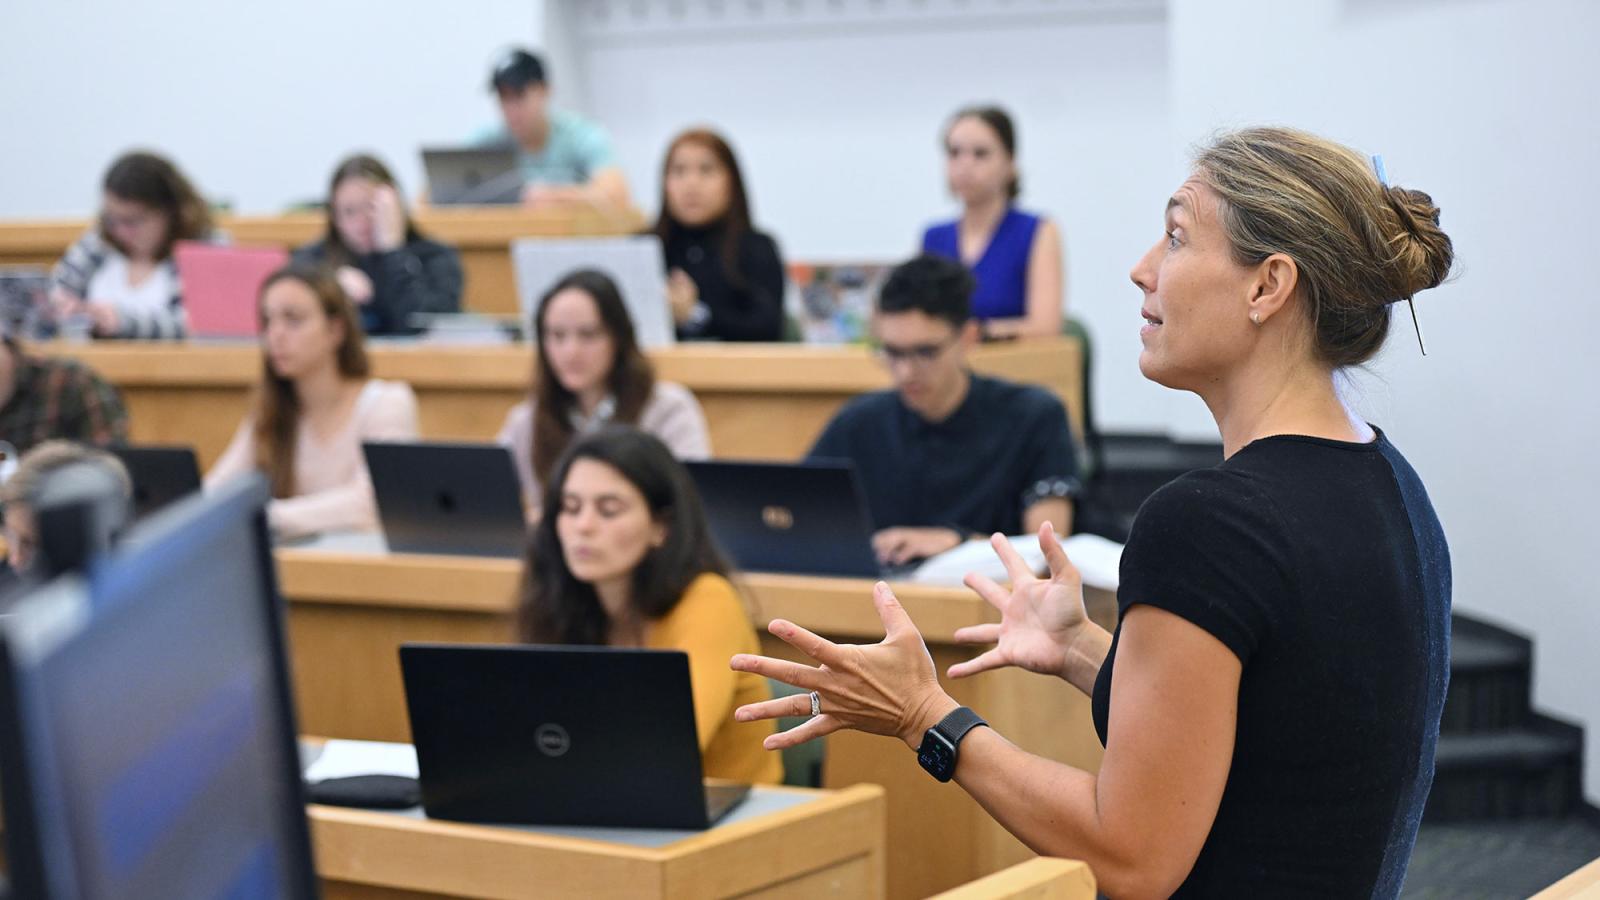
point(566, 159)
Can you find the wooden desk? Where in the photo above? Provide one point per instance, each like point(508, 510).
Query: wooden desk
point(348, 613)
point(829, 846)
point(1583, 884)
point(1040, 878)
point(482, 235)
point(762, 401)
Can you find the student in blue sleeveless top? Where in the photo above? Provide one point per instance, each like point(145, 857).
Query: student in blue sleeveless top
point(1014, 255)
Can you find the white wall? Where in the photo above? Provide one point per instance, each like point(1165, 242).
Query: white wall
point(1489, 106)
point(256, 102)
point(837, 127)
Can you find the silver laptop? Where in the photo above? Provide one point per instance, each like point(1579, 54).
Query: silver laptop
point(473, 176)
point(635, 263)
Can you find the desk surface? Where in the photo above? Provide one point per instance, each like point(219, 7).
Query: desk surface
point(825, 842)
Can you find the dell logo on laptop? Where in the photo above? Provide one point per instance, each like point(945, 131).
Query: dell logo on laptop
point(552, 739)
point(778, 518)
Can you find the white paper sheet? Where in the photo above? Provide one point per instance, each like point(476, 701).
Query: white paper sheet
point(1097, 560)
point(341, 759)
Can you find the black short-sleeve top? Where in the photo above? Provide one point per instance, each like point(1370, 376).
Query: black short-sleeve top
point(1006, 447)
point(1322, 566)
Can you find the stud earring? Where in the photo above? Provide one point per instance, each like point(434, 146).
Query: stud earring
point(1256, 318)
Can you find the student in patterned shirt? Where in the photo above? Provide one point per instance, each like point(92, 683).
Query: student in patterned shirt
point(43, 398)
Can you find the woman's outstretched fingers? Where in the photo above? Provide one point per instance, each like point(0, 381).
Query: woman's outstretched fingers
point(978, 634)
point(801, 676)
point(894, 616)
point(805, 731)
point(985, 587)
point(1061, 567)
point(983, 662)
point(794, 705)
point(815, 646)
point(1016, 567)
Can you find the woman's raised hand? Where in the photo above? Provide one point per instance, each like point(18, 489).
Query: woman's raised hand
point(1039, 618)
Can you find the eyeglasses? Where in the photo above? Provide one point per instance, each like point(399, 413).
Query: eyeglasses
point(918, 355)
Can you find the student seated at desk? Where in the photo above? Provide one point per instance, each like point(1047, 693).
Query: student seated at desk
point(724, 279)
point(313, 408)
point(566, 159)
point(949, 454)
point(588, 372)
point(380, 259)
point(46, 397)
point(17, 496)
point(1014, 255)
point(625, 559)
point(120, 275)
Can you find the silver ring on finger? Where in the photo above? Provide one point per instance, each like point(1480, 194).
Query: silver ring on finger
point(816, 704)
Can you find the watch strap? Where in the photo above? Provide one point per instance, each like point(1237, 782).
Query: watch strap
point(955, 726)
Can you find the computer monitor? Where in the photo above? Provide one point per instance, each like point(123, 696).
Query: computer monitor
point(147, 736)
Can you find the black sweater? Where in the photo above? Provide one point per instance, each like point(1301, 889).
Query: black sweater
point(748, 307)
point(421, 276)
point(1322, 566)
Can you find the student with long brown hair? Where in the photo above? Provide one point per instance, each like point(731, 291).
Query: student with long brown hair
point(589, 371)
point(724, 278)
point(386, 267)
point(624, 558)
point(120, 274)
point(314, 406)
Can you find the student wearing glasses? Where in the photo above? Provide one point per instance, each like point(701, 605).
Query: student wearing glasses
point(949, 454)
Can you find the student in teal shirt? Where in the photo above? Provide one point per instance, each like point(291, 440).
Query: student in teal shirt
point(566, 159)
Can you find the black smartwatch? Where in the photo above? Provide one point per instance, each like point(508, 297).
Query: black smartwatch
point(940, 743)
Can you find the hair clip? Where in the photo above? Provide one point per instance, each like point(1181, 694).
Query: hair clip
point(1383, 179)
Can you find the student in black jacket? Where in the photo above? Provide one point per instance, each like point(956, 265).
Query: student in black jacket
point(724, 279)
point(386, 267)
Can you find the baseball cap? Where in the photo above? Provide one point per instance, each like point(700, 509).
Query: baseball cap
point(516, 69)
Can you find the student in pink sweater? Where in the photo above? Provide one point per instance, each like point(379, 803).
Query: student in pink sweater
point(313, 408)
point(588, 372)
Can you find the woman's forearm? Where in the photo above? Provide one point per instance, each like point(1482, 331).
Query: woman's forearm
point(1085, 657)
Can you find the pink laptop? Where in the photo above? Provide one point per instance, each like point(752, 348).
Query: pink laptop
point(220, 284)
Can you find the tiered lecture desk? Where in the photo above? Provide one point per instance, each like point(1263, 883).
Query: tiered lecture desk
point(481, 234)
point(762, 401)
point(349, 611)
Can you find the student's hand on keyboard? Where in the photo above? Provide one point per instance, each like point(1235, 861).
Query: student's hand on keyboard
point(898, 546)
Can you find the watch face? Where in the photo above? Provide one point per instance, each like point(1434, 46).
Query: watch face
point(937, 756)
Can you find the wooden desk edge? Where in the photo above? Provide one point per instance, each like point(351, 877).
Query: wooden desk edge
point(1583, 884)
point(839, 606)
point(1041, 878)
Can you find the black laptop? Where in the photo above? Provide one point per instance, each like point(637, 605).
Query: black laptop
point(459, 499)
point(807, 518)
point(532, 735)
point(160, 475)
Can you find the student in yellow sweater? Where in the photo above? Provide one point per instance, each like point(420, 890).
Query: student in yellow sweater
point(627, 560)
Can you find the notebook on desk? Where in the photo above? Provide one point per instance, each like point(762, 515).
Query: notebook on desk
point(805, 518)
point(503, 736)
